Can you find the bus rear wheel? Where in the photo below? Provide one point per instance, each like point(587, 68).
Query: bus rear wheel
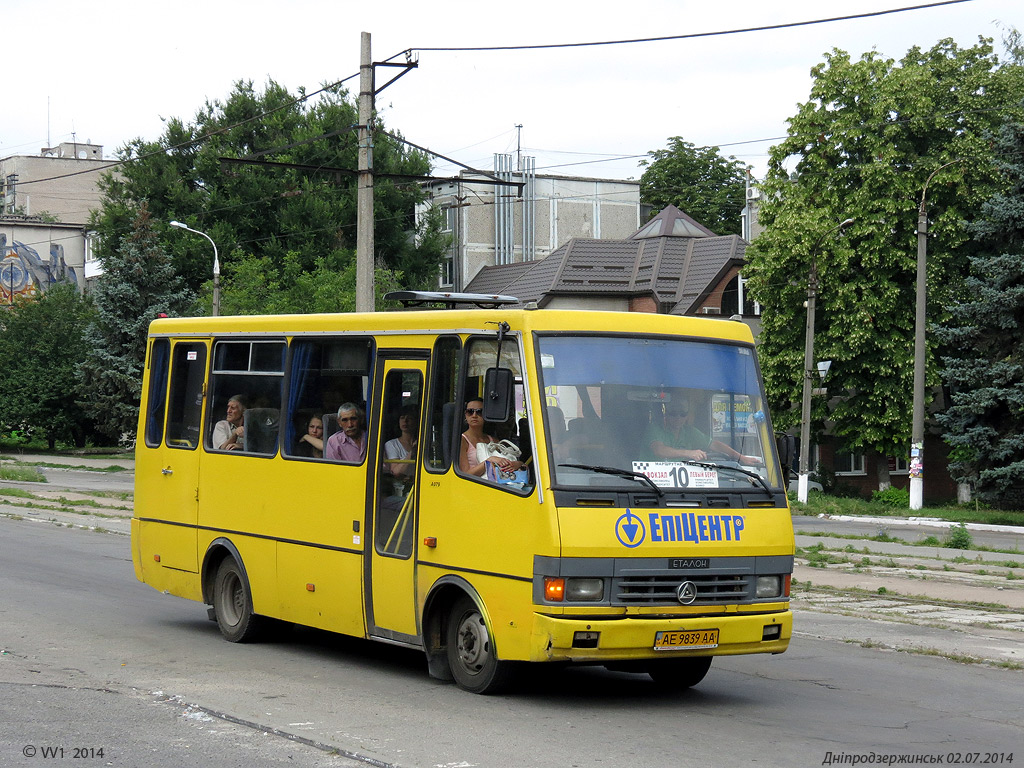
point(232, 604)
point(680, 674)
point(471, 656)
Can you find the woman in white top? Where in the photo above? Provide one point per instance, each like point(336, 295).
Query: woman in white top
point(468, 461)
point(403, 448)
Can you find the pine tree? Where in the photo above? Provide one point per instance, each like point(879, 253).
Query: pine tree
point(138, 284)
point(984, 345)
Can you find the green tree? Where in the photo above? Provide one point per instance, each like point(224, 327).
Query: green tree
point(862, 147)
point(698, 181)
point(41, 345)
point(272, 176)
point(984, 345)
point(138, 284)
point(258, 286)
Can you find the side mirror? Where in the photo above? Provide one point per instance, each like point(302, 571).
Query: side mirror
point(786, 445)
point(498, 388)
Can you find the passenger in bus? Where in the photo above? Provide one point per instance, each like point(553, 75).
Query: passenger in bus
point(311, 444)
point(468, 461)
point(229, 434)
point(676, 439)
point(403, 447)
point(348, 444)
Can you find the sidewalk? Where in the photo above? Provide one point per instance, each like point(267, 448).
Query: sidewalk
point(967, 605)
point(124, 460)
point(75, 494)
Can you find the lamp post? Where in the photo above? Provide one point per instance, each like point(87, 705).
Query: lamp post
point(809, 369)
point(916, 466)
point(216, 265)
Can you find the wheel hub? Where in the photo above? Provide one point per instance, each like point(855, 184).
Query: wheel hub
point(472, 644)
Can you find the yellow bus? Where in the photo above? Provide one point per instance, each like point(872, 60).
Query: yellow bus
point(640, 522)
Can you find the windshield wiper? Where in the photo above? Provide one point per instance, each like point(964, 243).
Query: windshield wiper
point(618, 472)
point(747, 472)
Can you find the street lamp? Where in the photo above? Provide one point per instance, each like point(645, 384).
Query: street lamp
point(916, 466)
point(216, 265)
point(809, 369)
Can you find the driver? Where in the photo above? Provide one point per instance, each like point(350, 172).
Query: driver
point(676, 438)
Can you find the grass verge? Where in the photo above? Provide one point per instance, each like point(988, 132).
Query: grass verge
point(22, 474)
point(823, 504)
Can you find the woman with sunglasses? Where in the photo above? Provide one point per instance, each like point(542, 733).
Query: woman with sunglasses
point(468, 461)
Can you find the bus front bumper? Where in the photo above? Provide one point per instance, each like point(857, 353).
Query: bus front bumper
point(606, 639)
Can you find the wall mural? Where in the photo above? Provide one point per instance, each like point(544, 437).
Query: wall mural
point(24, 273)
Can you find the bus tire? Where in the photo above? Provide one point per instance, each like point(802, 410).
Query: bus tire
point(471, 656)
point(680, 674)
point(232, 604)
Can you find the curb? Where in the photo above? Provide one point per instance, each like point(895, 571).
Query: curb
point(929, 522)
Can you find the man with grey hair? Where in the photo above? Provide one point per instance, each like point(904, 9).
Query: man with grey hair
point(349, 443)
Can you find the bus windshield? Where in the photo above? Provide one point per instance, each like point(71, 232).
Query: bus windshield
point(686, 414)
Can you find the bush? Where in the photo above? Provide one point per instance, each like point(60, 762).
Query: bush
point(892, 497)
point(959, 537)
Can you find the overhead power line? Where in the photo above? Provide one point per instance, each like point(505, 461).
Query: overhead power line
point(689, 36)
point(407, 51)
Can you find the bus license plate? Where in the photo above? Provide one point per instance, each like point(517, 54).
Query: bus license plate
point(675, 639)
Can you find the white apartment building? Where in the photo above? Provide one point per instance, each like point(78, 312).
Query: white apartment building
point(45, 204)
point(514, 216)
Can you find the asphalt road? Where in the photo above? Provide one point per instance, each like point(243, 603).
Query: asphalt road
point(90, 658)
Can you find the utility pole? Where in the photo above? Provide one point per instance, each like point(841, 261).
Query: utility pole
point(365, 291)
point(916, 466)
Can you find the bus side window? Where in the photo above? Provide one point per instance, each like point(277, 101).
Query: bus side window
point(482, 354)
point(159, 363)
point(185, 404)
point(323, 373)
point(445, 414)
point(250, 372)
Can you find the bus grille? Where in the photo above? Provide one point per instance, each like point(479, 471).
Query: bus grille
point(654, 590)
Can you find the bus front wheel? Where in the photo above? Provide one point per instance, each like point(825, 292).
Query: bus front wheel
point(232, 603)
point(680, 673)
point(471, 656)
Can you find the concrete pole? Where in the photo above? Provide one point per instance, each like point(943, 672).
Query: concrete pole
point(917, 430)
point(364, 216)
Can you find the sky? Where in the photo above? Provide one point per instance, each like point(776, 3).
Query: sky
point(114, 70)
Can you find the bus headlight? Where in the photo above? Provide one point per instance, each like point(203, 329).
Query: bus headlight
point(769, 586)
point(584, 590)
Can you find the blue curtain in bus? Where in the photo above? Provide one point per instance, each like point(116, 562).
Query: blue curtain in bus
point(158, 367)
point(301, 354)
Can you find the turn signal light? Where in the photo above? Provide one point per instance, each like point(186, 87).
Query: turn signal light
point(554, 588)
point(786, 583)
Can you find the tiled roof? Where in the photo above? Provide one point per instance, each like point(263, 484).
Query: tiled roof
point(679, 270)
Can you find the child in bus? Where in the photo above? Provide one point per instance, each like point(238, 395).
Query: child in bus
point(311, 444)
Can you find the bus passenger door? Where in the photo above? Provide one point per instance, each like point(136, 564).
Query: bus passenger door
point(167, 471)
point(390, 577)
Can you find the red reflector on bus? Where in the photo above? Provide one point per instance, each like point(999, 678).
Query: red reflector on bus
point(311, 587)
point(430, 541)
point(157, 558)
